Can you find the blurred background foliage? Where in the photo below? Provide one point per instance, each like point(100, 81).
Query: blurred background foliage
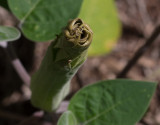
point(103, 19)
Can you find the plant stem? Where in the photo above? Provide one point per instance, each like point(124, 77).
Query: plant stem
point(21, 71)
point(139, 53)
point(63, 107)
point(16, 63)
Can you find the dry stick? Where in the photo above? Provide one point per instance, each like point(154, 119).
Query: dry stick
point(139, 53)
point(16, 63)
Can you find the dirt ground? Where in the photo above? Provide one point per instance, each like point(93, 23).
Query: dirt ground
point(138, 17)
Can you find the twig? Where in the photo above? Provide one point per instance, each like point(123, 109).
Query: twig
point(16, 63)
point(21, 71)
point(139, 53)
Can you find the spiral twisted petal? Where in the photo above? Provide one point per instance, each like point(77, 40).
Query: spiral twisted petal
point(79, 33)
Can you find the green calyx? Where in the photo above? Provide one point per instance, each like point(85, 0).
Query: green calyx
point(51, 83)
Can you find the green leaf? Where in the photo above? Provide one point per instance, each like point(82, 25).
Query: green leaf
point(67, 118)
point(4, 4)
point(42, 20)
point(8, 33)
point(112, 102)
point(101, 15)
